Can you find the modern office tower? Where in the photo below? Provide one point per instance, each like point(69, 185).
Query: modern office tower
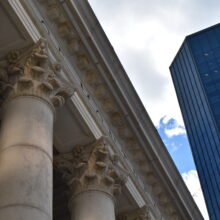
point(196, 76)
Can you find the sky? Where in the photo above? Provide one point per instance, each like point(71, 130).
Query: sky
point(146, 35)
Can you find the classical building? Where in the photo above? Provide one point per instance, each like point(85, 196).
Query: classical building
point(75, 141)
point(196, 76)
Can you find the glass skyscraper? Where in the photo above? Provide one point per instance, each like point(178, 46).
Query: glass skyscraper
point(196, 76)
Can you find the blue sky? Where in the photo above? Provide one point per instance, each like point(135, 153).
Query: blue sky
point(146, 36)
point(177, 143)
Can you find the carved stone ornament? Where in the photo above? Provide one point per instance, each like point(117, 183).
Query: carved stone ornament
point(137, 214)
point(91, 168)
point(143, 213)
point(31, 73)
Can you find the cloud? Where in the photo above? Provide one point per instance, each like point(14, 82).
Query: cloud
point(171, 127)
point(165, 119)
point(192, 181)
point(173, 135)
point(146, 35)
point(142, 69)
point(177, 145)
point(175, 131)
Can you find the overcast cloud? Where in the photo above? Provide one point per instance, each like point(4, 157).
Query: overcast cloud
point(192, 181)
point(146, 36)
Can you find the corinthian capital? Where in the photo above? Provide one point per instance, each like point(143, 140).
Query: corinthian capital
point(137, 214)
point(91, 168)
point(143, 213)
point(31, 73)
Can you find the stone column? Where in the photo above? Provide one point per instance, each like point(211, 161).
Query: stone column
point(94, 179)
point(30, 90)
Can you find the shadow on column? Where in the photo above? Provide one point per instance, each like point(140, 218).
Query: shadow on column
point(60, 198)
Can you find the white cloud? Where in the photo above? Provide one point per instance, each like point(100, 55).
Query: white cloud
point(175, 131)
point(146, 36)
point(165, 119)
point(171, 126)
point(192, 181)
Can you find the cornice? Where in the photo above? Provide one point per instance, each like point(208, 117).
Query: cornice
point(28, 24)
point(86, 115)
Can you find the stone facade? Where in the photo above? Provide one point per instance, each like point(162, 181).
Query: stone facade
point(75, 141)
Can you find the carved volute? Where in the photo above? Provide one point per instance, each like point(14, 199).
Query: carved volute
point(30, 73)
point(143, 213)
point(137, 214)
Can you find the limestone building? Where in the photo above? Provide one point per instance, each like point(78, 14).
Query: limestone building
point(76, 142)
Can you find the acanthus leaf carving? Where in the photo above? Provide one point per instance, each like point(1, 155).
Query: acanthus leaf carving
point(91, 168)
point(142, 213)
point(30, 73)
